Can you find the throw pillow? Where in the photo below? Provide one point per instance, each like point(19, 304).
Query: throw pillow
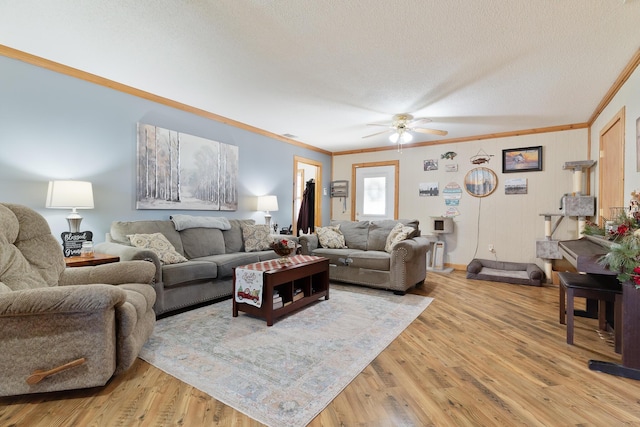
point(398, 233)
point(159, 244)
point(330, 237)
point(256, 237)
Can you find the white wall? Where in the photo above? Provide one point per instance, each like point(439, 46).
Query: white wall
point(512, 223)
point(626, 97)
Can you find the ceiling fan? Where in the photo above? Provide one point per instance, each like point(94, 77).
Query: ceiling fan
point(401, 126)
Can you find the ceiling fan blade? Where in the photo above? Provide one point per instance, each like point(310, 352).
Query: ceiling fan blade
point(420, 120)
point(379, 124)
point(377, 133)
point(431, 131)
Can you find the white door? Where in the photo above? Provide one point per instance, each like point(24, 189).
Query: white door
point(375, 193)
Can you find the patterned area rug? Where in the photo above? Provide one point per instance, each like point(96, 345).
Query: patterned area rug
point(282, 375)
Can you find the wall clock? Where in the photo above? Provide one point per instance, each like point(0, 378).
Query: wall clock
point(480, 182)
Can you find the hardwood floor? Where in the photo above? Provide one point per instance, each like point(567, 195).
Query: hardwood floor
point(482, 354)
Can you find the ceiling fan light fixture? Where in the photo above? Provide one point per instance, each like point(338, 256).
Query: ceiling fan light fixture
point(401, 136)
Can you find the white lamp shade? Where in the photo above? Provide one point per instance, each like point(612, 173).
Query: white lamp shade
point(267, 203)
point(402, 136)
point(70, 195)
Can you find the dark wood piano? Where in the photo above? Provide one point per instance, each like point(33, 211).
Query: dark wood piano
point(584, 254)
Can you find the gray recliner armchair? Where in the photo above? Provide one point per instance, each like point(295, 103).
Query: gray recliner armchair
point(65, 328)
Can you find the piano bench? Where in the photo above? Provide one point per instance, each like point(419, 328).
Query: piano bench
point(602, 288)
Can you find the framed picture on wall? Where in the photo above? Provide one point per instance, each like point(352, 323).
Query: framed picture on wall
point(181, 171)
point(480, 182)
point(527, 159)
point(515, 186)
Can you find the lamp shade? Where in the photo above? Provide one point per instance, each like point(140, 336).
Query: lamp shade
point(267, 203)
point(69, 195)
point(402, 135)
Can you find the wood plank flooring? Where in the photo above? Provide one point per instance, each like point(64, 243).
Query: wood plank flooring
point(482, 354)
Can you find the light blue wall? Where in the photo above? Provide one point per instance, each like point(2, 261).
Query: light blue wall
point(53, 126)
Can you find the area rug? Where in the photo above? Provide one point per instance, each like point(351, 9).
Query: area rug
point(285, 374)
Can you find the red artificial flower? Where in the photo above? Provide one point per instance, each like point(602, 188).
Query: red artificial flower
point(621, 230)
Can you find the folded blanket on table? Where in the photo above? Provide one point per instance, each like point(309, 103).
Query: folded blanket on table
point(183, 222)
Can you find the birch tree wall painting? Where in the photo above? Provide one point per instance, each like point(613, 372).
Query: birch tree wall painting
point(181, 171)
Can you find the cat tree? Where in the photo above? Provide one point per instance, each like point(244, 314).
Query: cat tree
point(574, 204)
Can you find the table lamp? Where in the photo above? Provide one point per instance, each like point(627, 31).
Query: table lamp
point(267, 203)
point(70, 195)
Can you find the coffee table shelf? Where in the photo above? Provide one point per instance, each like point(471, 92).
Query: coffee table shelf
point(312, 277)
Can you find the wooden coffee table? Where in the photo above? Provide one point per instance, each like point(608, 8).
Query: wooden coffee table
point(311, 277)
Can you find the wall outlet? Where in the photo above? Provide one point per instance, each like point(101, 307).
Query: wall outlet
point(491, 248)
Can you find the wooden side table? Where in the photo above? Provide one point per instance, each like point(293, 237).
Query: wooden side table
point(97, 259)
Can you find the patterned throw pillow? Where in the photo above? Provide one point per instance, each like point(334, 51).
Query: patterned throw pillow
point(256, 237)
point(330, 237)
point(159, 244)
point(398, 233)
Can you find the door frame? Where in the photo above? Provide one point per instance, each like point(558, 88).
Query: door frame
point(396, 177)
point(618, 189)
point(318, 194)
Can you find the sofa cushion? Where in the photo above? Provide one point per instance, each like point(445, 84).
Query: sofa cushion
point(227, 262)
point(335, 256)
point(17, 273)
point(378, 234)
point(190, 271)
point(330, 237)
point(120, 230)
point(233, 237)
point(159, 244)
point(398, 234)
point(256, 237)
point(356, 233)
point(199, 242)
point(370, 260)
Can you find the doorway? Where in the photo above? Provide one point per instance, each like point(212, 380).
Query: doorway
point(375, 190)
point(611, 167)
point(303, 171)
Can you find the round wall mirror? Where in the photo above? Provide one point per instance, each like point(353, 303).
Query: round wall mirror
point(480, 182)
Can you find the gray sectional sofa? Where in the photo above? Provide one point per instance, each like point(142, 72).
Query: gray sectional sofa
point(365, 261)
point(211, 254)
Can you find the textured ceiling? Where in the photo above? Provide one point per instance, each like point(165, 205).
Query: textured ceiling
point(322, 69)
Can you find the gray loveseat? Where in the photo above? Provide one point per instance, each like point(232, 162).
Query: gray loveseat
point(365, 261)
point(211, 254)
